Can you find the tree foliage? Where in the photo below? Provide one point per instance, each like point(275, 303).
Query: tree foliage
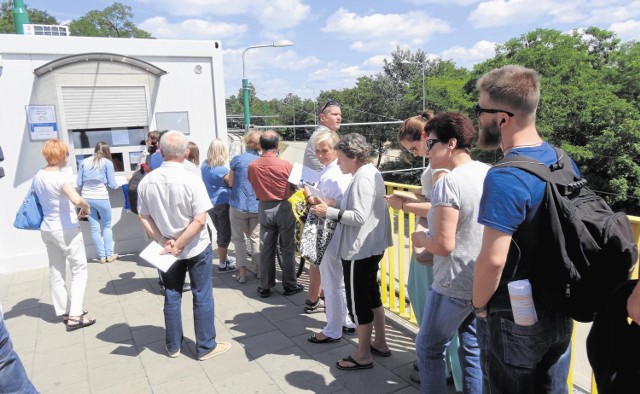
point(113, 21)
point(36, 16)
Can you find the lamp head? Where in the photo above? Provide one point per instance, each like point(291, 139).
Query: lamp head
point(282, 43)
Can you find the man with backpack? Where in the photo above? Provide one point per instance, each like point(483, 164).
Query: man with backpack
point(514, 358)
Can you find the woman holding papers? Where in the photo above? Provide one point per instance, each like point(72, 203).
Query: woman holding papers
point(455, 238)
point(363, 235)
point(61, 234)
point(332, 185)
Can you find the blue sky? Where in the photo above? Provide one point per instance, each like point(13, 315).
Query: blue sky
point(335, 42)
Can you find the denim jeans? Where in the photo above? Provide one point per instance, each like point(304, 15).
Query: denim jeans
point(199, 268)
point(101, 233)
point(525, 359)
point(442, 316)
point(13, 377)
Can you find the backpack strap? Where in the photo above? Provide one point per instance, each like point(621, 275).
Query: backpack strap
point(560, 173)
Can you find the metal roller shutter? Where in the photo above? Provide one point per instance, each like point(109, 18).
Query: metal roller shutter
point(105, 106)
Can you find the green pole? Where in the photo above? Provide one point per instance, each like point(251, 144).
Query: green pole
point(245, 97)
point(20, 16)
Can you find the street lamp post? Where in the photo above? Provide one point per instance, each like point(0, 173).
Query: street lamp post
point(424, 93)
point(245, 81)
point(315, 104)
point(424, 86)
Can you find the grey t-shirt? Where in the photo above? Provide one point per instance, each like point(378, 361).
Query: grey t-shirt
point(310, 160)
point(460, 189)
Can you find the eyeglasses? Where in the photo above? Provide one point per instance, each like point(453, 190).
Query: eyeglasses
point(329, 104)
point(431, 142)
point(479, 110)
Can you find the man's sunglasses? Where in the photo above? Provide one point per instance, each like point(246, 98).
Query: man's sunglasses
point(479, 110)
point(328, 104)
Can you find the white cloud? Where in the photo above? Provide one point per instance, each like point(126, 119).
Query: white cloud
point(628, 30)
point(376, 62)
point(272, 15)
point(160, 27)
point(445, 2)
point(384, 31)
point(467, 57)
point(494, 13)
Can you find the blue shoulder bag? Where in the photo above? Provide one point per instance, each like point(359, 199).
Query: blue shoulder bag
point(29, 216)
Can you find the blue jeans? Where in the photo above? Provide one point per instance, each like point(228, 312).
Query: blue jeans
point(199, 268)
point(101, 233)
point(525, 359)
point(442, 316)
point(13, 377)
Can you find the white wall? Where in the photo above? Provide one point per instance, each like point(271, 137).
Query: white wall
point(181, 89)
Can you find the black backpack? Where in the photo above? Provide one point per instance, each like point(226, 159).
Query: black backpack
point(132, 192)
point(578, 250)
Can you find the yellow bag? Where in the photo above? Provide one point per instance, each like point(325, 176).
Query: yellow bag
point(300, 206)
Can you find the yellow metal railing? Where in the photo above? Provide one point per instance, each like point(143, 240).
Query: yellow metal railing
point(393, 270)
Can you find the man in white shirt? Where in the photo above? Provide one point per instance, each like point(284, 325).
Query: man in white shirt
point(173, 205)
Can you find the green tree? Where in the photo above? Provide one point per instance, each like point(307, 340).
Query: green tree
point(36, 16)
point(113, 21)
point(585, 107)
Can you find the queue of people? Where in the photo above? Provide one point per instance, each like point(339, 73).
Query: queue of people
point(459, 293)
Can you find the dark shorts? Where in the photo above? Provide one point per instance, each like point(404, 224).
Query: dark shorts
point(220, 217)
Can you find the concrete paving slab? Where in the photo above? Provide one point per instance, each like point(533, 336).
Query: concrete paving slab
point(125, 350)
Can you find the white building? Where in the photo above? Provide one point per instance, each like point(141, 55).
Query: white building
point(84, 90)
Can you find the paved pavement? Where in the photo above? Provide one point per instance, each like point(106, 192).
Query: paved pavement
point(124, 352)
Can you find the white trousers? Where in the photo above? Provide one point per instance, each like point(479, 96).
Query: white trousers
point(63, 245)
point(245, 223)
point(334, 295)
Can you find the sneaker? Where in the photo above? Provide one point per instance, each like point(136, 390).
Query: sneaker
point(173, 354)
point(228, 266)
point(294, 290)
point(242, 279)
point(311, 307)
point(221, 347)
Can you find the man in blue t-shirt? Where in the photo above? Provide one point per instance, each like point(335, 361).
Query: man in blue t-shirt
point(514, 358)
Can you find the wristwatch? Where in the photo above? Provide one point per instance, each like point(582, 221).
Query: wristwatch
point(479, 312)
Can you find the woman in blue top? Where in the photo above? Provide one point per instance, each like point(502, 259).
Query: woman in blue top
point(95, 174)
point(214, 171)
point(244, 205)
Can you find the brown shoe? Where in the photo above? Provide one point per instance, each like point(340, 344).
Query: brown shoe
point(221, 347)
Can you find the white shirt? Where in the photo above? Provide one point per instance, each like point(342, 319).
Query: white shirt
point(333, 182)
point(173, 196)
point(59, 213)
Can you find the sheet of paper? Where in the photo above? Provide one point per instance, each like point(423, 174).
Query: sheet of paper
point(151, 254)
point(299, 173)
point(315, 192)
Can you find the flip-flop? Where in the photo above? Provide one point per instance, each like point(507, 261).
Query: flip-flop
point(356, 365)
point(379, 352)
point(314, 339)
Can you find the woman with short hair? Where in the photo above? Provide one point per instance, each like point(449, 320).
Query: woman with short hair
point(454, 239)
point(332, 184)
point(95, 176)
point(364, 233)
point(61, 234)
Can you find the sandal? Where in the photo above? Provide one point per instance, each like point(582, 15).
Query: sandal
point(356, 365)
point(65, 317)
point(79, 322)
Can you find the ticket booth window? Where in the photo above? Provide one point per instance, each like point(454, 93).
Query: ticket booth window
point(126, 145)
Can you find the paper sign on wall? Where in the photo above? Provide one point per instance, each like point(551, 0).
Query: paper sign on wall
point(42, 122)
